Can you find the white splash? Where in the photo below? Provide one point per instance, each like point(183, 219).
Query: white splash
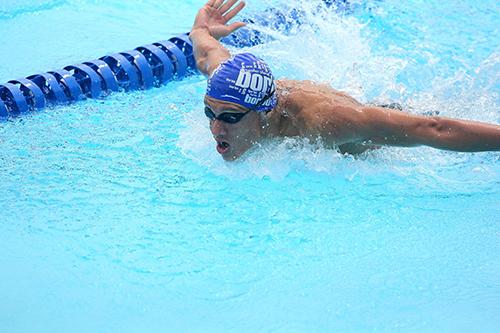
point(336, 49)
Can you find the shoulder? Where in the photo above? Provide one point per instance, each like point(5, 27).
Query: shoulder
point(316, 103)
point(295, 95)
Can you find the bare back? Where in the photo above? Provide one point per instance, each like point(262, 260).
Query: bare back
point(317, 111)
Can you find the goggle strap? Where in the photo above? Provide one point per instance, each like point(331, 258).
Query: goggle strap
point(258, 105)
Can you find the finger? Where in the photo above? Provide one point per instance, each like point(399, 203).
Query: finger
point(210, 3)
point(233, 12)
point(236, 25)
point(217, 3)
point(227, 6)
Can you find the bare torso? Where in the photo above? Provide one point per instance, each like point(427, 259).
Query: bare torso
point(317, 111)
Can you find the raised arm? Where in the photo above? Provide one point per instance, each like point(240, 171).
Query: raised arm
point(392, 127)
point(209, 26)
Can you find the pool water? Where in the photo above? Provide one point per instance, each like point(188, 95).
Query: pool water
point(119, 215)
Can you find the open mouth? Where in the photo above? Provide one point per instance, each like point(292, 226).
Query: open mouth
point(222, 147)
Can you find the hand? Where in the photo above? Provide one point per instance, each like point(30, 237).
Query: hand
point(214, 16)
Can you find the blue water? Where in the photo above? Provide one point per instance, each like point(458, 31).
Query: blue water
point(118, 215)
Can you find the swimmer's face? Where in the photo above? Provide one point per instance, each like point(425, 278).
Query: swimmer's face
point(233, 139)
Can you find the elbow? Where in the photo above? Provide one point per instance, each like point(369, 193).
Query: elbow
point(437, 125)
point(200, 63)
point(438, 128)
point(202, 66)
point(429, 127)
point(439, 133)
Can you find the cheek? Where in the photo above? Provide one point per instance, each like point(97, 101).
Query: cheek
point(250, 127)
point(240, 131)
point(244, 135)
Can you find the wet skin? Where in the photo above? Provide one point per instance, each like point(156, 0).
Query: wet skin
point(232, 140)
point(320, 113)
point(289, 119)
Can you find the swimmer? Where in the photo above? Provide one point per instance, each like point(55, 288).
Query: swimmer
point(245, 104)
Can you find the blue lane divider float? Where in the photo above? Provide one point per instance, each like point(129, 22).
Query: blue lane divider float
point(142, 68)
point(3, 110)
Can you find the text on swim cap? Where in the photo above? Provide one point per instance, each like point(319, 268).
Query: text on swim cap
point(255, 100)
point(254, 81)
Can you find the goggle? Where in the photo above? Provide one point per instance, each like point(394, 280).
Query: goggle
point(234, 117)
point(227, 117)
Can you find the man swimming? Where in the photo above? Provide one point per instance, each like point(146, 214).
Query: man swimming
point(245, 104)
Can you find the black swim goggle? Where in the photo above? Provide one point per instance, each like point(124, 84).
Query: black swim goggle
point(234, 117)
point(227, 117)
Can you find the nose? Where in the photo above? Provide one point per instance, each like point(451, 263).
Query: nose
point(218, 128)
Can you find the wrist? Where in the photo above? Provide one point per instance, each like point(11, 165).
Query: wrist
point(199, 31)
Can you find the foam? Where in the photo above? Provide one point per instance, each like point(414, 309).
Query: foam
point(339, 51)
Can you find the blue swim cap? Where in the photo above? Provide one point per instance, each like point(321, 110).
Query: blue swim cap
point(245, 80)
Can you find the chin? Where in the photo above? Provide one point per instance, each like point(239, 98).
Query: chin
point(234, 155)
point(231, 157)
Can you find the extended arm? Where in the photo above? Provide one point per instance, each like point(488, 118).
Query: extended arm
point(392, 127)
point(211, 25)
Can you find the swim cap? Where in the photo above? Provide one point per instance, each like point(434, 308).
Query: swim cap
point(245, 80)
